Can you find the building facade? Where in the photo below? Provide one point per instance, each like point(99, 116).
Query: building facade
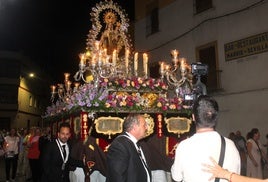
point(23, 97)
point(230, 36)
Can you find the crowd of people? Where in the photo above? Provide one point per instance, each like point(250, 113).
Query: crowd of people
point(22, 151)
point(37, 156)
point(252, 153)
point(42, 158)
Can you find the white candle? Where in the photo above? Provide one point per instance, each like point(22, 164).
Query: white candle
point(97, 45)
point(105, 52)
point(145, 64)
point(93, 62)
point(136, 64)
point(162, 66)
point(175, 53)
point(69, 83)
point(167, 67)
point(99, 59)
point(107, 60)
point(183, 64)
point(126, 59)
point(53, 88)
point(114, 57)
point(76, 85)
point(66, 76)
point(82, 58)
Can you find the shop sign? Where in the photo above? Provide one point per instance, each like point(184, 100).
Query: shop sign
point(245, 47)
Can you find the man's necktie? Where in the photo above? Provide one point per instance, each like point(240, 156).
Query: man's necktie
point(139, 150)
point(141, 156)
point(64, 151)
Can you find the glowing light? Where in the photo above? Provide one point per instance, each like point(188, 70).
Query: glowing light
point(31, 75)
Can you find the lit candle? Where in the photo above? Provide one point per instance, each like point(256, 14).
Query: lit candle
point(126, 59)
point(175, 53)
point(145, 64)
point(66, 75)
point(53, 88)
point(93, 62)
point(107, 60)
point(76, 85)
point(183, 64)
point(114, 57)
point(136, 63)
point(69, 85)
point(87, 53)
point(82, 59)
point(105, 52)
point(167, 67)
point(97, 45)
point(99, 59)
point(162, 67)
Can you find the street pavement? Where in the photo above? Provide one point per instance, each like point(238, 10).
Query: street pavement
point(3, 173)
point(22, 178)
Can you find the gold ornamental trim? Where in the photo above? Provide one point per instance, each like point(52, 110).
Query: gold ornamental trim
point(150, 124)
point(109, 125)
point(178, 125)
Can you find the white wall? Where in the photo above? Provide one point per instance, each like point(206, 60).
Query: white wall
point(244, 99)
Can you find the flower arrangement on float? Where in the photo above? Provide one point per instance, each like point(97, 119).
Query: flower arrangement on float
point(117, 95)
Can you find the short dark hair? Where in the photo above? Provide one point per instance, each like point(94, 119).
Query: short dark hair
point(205, 111)
point(64, 125)
point(253, 132)
point(130, 120)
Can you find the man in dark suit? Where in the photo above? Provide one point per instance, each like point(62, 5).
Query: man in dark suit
point(55, 157)
point(125, 159)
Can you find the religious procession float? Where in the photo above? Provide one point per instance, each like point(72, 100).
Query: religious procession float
point(114, 80)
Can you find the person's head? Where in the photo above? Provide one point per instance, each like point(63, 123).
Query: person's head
point(205, 112)
point(37, 131)
point(46, 131)
point(254, 134)
point(64, 132)
point(12, 132)
point(232, 136)
point(135, 124)
point(32, 130)
point(238, 133)
point(25, 132)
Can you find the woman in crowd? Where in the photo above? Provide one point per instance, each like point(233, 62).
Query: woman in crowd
point(22, 157)
point(33, 154)
point(219, 172)
point(11, 148)
point(266, 145)
point(254, 168)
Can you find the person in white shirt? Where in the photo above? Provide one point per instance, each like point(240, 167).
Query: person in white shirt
point(11, 148)
point(196, 150)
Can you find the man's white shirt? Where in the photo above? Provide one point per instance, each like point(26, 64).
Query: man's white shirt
point(196, 150)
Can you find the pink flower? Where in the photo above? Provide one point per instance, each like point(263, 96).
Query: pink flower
point(164, 108)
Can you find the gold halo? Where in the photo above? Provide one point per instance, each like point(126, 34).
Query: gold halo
point(110, 17)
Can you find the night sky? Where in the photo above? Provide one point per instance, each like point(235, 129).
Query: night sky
point(51, 32)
